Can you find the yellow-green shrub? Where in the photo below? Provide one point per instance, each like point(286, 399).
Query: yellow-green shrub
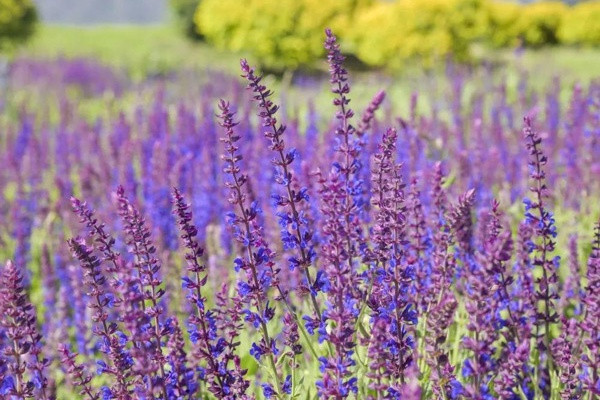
point(386, 33)
point(533, 25)
point(504, 29)
point(279, 33)
point(581, 25)
point(17, 20)
point(543, 20)
point(390, 33)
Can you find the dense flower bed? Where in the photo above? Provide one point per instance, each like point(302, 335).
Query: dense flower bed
point(162, 254)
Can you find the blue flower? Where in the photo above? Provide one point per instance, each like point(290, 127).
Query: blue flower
point(291, 155)
point(289, 240)
point(284, 218)
point(410, 315)
point(456, 389)
point(252, 317)
point(293, 263)
point(8, 385)
point(106, 393)
point(268, 391)
point(122, 338)
point(218, 348)
point(310, 324)
point(321, 284)
point(256, 351)
point(244, 289)
point(323, 362)
point(287, 385)
point(278, 200)
point(238, 264)
point(323, 335)
point(262, 256)
point(187, 283)
point(351, 385)
point(467, 369)
point(102, 367)
point(302, 195)
point(38, 379)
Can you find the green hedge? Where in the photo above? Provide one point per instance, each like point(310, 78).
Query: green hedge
point(581, 25)
point(390, 33)
point(280, 33)
point(184, 11)
point(532, 25)
point(288, 33)
point(17, 21)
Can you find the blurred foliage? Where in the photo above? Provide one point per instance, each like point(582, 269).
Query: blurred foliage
point(279, 33)
point(17, 21)
point(581, 25)
point(532, 25)
point(288, 33)
point(184, 11)
point(390, 33)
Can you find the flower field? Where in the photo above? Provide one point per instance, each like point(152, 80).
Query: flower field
point(192, 237)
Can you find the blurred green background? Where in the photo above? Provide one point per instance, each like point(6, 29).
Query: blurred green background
point(393, 37)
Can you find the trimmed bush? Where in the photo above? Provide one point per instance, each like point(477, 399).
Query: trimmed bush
point(284, 34)
point(390, 33)
point(17, 21)
point(582, 25)
point(279, 33)
point(532, 25)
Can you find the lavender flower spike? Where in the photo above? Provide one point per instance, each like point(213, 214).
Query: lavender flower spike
point(26, 370)
point(591, 321)
point(296, 233)
point(148, 268)
point(348, 164)
point(77, 373)
point(545, 234)
point(112, 341)
point(365, 122)
point(257, 263)
point(210, 345)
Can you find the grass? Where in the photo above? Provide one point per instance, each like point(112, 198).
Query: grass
point(141, 50)
point(150, 49)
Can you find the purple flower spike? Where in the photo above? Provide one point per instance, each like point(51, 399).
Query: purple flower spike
point(148, 268)
point(26, 365)
point(347, 167)
point(591, 320)
point(211, 344)
point(104, 241)
point(113, 343)
point(510, 372)
point(367, 118)
point(257, 263)
point(77, 373)
point(436, 352)
point(461, 221)
point(392, 315)
point(293, 203)
point(567, 361)
point(542, 220)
